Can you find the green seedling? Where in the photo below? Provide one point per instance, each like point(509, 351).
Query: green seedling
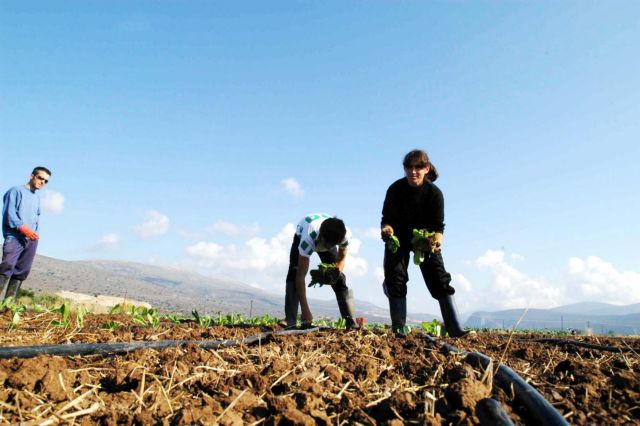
point(393, 244)
point(16, 310)
point(433, 328)
point(111, 325)
point(203, 321)
point(340, 323)
point(422, 242)
point(146, 316)
point(65, 311)
point(80, 314)
point(175, 319)
point(326, 274)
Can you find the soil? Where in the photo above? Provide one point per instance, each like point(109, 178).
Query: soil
point(326, 377)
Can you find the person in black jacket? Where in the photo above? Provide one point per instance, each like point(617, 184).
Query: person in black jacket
point(414, 202)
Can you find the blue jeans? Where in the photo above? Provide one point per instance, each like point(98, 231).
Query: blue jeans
point(17, 257)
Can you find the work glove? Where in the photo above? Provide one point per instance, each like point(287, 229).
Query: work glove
point(29, 233)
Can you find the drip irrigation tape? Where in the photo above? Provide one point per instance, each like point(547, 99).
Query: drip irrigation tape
point(540, 409)
point(111, 348)
point(583, 344)
point(299, 331)
point(491, 413)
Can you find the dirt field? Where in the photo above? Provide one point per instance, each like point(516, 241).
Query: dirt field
point(327, 377)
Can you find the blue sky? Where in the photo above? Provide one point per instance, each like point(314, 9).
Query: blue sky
point(195, 134)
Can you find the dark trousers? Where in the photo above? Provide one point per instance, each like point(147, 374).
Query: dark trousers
point(17, 257)
point(291, 300)
point(435, 276)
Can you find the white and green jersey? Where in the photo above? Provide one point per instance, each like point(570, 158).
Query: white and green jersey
point(309, 229)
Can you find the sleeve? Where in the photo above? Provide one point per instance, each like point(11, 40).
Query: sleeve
point(13, 200)
point(437, 212)
point(306, 246)
point(389, 209)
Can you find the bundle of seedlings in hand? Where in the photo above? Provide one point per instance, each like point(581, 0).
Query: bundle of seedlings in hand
point(422, 242)
point(326, 274)
point(393, 244)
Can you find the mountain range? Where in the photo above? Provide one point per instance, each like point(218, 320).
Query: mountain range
point(179, 291)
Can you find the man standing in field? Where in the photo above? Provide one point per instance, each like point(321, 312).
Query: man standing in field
point(329, 237)
point(20, 220)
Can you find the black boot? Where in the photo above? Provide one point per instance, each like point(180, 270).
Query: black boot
point(4, 280)
point(347, 307)
point(13, 288)
point(398, 311)
point(450, 317)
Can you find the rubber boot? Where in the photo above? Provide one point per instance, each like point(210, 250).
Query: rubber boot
point(4, 280)
point(13, 288)
point(347, 307)
point(450, 317)
point(398, 311)
point(291, 303)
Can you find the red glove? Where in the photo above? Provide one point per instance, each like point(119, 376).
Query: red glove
point(29, 233)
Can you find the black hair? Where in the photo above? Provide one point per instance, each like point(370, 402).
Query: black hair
point(333, 231)
point(41, 169)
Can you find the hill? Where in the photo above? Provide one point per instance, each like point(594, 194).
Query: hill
point(582, 317)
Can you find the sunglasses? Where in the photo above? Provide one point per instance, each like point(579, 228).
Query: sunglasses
point(40, 178)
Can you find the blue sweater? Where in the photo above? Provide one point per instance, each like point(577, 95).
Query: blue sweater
point(21, 206)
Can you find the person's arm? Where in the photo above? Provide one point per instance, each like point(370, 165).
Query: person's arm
point(303, 268)
point(12, 201)
point(437, 225)
point(389, 214)
point(342, 257)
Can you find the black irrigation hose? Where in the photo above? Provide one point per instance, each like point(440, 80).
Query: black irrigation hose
point(583, 344)
point(111, 348)
point(73, 349)
point(491, 413)
point(540, 409)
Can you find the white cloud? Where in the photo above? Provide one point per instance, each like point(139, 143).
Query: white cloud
point(354, 245)
point(371, 233)
point(293, 187)
point(459, 281)
point(52, 202)
point(356, 266)
point(262, 262)
point(234, 230)
point(379, 273)
point(594, 279)
point(510, 288)
point(256, 254)
point(156, 224)
point(109, 241)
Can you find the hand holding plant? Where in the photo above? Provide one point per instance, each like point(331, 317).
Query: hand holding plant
point(422, 242)
point(326, 274)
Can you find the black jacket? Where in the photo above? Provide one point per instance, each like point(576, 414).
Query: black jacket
point(406, 208)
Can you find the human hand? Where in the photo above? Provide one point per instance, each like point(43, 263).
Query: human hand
point(306, 316)
point(386, 232)
point(436, 242)
point(29, 233)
